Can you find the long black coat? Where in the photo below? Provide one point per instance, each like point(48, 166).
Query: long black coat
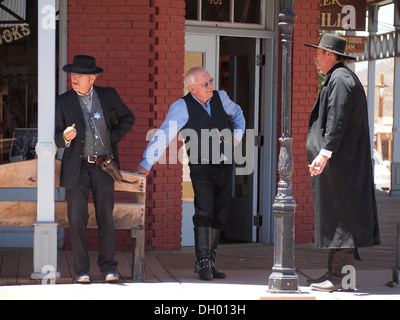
point(118, 117)
point(344, 194)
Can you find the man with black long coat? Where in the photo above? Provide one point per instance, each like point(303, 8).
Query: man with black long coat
point(339, 151)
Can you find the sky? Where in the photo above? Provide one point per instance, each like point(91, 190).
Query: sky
point(386, 18)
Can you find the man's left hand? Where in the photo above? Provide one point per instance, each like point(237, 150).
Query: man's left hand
point(318, 165)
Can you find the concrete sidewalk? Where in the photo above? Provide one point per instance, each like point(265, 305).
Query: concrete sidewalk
point(248, 267)
point(239, 286)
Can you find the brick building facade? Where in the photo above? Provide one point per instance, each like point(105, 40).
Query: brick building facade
point(141, 46)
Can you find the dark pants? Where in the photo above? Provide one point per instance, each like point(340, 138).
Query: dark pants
point(102, 185)
point(212, 185)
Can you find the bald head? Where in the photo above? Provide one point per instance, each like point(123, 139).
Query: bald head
point(200, 84)
point(193, 73)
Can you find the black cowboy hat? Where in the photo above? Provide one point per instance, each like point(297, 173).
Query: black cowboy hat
point(332, 43)
point(82, 64)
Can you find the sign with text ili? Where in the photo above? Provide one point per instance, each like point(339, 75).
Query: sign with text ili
point(347, 15)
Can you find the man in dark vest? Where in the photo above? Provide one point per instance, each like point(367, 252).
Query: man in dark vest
point(339, 153)
point(205, 118)
point(90, 121)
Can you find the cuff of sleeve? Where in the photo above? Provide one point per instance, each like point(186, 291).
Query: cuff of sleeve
point(67, 143)
point(145, 164)
point(325, 153)
point(238, 134)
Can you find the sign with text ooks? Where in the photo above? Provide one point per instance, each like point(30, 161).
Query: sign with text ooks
point(347, 15)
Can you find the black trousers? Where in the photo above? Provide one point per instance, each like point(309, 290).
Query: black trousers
point(102, 185)
point(212, 185)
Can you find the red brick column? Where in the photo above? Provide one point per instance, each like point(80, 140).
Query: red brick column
point(164, 199)
point(304, 93)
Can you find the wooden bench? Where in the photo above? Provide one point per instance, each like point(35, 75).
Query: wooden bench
point(128, 216)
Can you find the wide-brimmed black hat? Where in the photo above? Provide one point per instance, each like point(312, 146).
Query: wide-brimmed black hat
point(332, 43)
point(83, 65)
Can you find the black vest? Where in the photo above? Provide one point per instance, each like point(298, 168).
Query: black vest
point(206, 138)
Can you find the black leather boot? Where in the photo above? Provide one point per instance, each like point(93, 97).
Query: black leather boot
point(215, 234)
point(202, 240)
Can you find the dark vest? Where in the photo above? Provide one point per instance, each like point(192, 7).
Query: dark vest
point(97, 135)
point(206, 138)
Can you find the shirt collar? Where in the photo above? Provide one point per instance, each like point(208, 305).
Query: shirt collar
point(207, 103)
point(90, 93)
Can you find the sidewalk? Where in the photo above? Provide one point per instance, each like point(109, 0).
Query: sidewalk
point(170, 275)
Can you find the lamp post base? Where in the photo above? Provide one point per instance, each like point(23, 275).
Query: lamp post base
point(283, 282)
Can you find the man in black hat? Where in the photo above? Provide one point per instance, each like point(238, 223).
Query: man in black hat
point(90, 121)
point(339, 152)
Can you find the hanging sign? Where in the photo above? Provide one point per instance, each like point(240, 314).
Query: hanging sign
point(14, 33)
point(355, 44)
point(348, 15)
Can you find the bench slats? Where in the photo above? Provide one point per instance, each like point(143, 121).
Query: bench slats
point(129, 216)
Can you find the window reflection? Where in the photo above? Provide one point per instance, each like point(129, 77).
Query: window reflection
point(191, 10)
point(216, 10)
point(248, 11)
point(18, 79)
point(243, 11)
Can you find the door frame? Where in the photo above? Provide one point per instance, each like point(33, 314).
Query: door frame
point(234, 229)
point(266, 177)
point(209, 46)
point(267, 169)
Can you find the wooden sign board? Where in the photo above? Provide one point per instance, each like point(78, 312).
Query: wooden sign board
point(347, 15)
point(355, 44)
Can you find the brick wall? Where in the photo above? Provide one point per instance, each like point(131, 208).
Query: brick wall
point(164, 199)
point(140, 46)
point(304, 93)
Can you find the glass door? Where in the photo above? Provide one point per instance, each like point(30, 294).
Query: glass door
point(240, 73)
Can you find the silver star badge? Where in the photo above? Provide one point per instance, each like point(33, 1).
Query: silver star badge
point(97, 115)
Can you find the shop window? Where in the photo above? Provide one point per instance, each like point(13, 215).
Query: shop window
point(225, 11)
point(18, 79)
point(216, 10)
point(191, 10)
point(247, 11)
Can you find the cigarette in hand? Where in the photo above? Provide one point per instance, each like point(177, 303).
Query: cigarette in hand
point(316, 168)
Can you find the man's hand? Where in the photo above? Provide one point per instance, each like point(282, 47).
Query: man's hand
point(318, 165)
point(141, 170)
point(70, 133)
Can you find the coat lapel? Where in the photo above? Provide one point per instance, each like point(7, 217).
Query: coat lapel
point(73, 101)
point(104, 105)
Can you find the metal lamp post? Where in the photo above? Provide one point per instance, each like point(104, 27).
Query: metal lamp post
point(283, 278)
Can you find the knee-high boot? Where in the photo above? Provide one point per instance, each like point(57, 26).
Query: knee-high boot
point(215, 234)
point(202, 240)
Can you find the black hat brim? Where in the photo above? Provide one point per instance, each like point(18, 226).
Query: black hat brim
point(336, 52)
point(69, 68)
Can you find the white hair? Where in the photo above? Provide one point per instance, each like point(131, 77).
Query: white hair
point(192, 74)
